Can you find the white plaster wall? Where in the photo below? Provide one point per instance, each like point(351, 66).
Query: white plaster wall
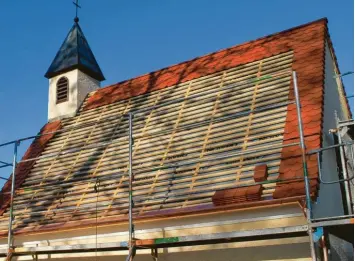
point(67, 108)
point(86, 84)
point(329, 202)
point(288, 250)
point(80, 85)
point(257, 218)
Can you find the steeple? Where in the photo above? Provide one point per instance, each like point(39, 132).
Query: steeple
point(73, 74)
point(75, 53)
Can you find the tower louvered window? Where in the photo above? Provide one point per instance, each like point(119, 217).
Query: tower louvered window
point(62, 90)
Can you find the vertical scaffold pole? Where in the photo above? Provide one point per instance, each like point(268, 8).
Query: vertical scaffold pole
point(131, 226)
point(304, 162)
point(10, 234)
point(343, 166)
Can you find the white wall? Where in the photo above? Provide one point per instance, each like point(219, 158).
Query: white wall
point(329, 201)
point(288, 250)
point(237, 220)
point(80, 85)
point(86, 84)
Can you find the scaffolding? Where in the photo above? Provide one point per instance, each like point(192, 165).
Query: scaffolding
point(312, 228)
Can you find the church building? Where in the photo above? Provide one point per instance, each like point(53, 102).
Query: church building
point(216, 158)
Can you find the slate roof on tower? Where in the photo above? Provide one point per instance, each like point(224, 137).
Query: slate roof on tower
point(75, 53)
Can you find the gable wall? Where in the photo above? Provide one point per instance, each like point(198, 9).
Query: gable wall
point(330, 201)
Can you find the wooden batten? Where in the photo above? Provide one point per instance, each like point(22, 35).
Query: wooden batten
point(216, 138)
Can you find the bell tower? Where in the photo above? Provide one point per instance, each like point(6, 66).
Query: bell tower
point(73, 73)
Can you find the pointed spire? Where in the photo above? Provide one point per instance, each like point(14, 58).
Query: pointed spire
point(75, 53)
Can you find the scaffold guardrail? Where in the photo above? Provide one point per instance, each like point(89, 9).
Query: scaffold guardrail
point(131, 244)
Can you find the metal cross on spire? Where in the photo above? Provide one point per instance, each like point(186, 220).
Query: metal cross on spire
point(77, 6)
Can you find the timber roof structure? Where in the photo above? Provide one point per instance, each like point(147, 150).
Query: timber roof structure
point(202, 129)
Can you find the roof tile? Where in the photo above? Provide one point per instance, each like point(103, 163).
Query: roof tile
point(293, 189)
point(237, 195)
point(24, 168)
point(304, 40)
point(260, 173)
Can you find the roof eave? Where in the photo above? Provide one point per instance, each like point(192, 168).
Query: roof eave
point(96, 75)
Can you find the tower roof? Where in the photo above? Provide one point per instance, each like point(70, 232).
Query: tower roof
point(75, 53)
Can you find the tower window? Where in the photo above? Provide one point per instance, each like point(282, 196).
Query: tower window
point(62, 90)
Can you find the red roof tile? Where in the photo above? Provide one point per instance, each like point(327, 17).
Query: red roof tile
point(260, 173)
point(294, 189)
point(237, 195)
point(307, 41)
point(24, 168)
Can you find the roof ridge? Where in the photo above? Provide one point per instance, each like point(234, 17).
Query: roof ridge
point(324, 19)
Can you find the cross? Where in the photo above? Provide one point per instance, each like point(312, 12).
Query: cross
point(76, 3)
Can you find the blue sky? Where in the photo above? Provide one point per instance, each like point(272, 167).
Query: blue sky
point(130, 38)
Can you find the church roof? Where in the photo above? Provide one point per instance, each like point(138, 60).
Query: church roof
point(75, 53)
point(188, 118)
